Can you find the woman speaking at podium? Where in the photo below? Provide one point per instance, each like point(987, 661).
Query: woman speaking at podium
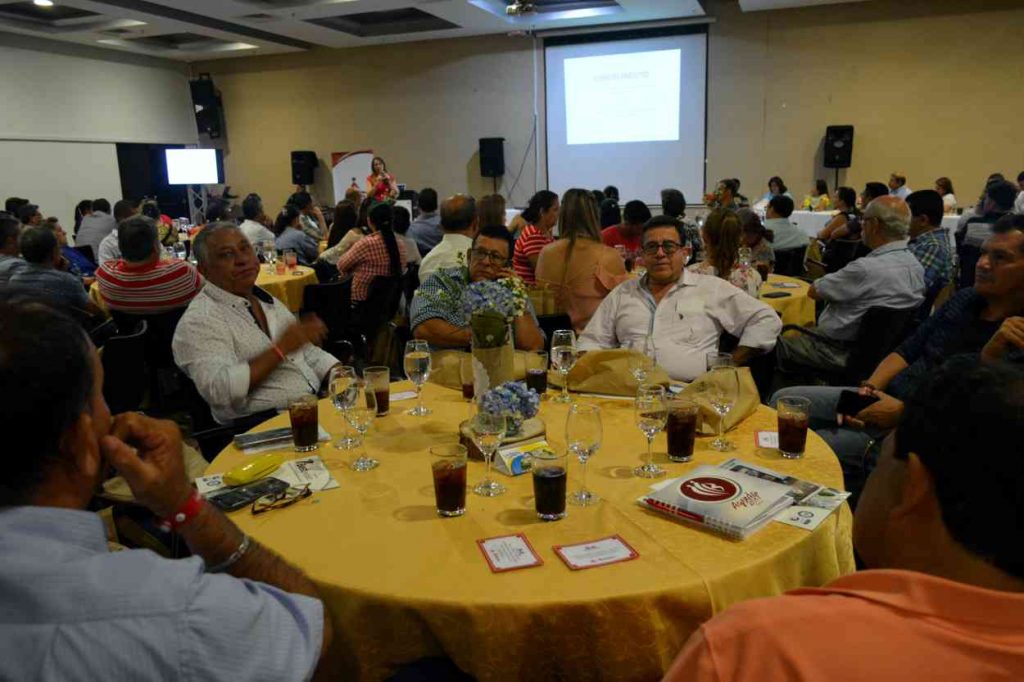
point(380, 185)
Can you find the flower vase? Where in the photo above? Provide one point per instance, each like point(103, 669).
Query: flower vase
point(513, 425)
point(493, 352)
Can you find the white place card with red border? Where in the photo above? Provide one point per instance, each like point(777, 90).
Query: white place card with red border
point(609, 550)
point(509, 553)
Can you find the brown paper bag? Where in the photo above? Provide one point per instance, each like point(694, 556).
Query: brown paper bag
point(746, 402)
point(606, 372)
point(445, 367)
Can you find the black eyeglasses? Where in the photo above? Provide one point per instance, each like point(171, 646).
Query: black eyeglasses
point(492, 256)
point(669, 247)
point(285, 498)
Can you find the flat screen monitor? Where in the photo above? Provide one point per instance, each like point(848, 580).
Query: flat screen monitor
point(194, 167)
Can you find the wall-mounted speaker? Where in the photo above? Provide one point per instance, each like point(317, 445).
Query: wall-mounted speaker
point(492, 157)
point(303, 165)
point(838, 146)
point(207, 104)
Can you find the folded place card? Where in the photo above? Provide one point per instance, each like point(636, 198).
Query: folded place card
point(610, 550)
point(784, 285)
point(767, 439)
point(508, 553)
point(403, 395)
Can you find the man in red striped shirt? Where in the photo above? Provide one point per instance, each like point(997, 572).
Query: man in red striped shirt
point(140, 282)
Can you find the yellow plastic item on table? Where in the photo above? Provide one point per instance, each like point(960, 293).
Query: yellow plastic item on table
point(262, 466)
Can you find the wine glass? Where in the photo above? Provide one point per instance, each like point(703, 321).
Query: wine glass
point(270, 253)
point(583, 437)
point(642, 359)
point(361, 416)
point(344, 389)
point(487, 430)
point(715, 360)
point(722, 389)
point(563, 357)
point(417, 368)
point(651, 416)
point(179, 251)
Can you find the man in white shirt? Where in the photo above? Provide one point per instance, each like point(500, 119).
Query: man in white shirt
point(241, 347)
point(255, 231)
point(898, 186)
point(110, 248)
point(95, 227)
point(459, 221)
point(683, 311)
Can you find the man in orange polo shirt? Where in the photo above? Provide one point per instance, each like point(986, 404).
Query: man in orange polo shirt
point(938, 521)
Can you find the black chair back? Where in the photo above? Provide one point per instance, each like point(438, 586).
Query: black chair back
point(881, 330)
point(549, 324)
point(124, 369)
point(967, 255)
point(332, 303)
point(790, 262)
point(380, 307)
point(839, 253)
point(411, 284)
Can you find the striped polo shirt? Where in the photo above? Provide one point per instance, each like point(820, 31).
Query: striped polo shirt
point(530, 243)
point(148, 288)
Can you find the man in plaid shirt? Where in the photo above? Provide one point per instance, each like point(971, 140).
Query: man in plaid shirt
point(929, 242)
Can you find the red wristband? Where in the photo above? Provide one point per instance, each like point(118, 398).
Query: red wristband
point(185, 513)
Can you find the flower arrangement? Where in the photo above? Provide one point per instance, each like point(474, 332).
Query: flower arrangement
point(489, 297)
point(514, 400)
point(491, 306)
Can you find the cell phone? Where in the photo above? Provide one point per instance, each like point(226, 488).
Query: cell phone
point(776, 294)
point(236, 498)
point(251, 440)
point(852, 402)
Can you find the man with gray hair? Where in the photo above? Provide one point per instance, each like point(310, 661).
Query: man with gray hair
point(459, 221)
point(888, 277)
point(243, 349)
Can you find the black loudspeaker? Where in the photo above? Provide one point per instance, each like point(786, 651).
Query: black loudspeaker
point(206, 101)
point(303, 164)
point(492, 157)
point(838, 146)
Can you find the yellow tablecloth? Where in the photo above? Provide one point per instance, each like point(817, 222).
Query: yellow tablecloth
point(797, 308)
point(287, 287)
point(400, 583)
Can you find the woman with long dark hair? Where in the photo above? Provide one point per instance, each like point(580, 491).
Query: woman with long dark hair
point(775, 187)
point(345, 217)
point(818, 200)
point(838, 227)
point(82, 209)
point(541, 216)
point(722, 235)
point(380, 185)
point(378, 254)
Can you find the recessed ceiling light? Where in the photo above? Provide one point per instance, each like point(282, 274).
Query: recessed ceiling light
point(43, 3)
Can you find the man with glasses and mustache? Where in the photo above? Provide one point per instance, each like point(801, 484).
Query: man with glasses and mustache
point(437, 314)
point(683, 311)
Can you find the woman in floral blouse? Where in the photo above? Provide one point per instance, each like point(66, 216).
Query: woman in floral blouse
point(723, 236)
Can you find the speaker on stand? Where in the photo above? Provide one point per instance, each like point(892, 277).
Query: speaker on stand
point(303, 165)
point(838, 148)
point(492, 158)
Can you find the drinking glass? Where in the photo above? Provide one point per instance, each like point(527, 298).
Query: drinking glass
point(723, 389)
point(487, 430)
point(344, 387)
point(179, 251)
point(563, 357)
point(378, 380)
point(641, 360)
point(715, 360)
point(537, 372)
point(417, 368)
point(291, 259)
point(583, 437)
point(303, 412)
point(466, 374)
point(681, 428)
point(361, 417)
point(651, 415)
point(794, 418)
point(550, 472)
point(448, 466)
point(270, 255)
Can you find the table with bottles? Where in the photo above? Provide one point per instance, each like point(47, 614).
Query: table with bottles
point(401, 582)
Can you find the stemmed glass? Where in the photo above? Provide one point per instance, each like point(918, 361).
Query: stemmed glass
point(417, 368)
point(651, 415)
point(179, 250)
point(722, 389)
point(361, 416)
point(487, 430)
point(345, 390)
point(642, 361)
point(270, 253)
point(563, 357)
point(583, 437)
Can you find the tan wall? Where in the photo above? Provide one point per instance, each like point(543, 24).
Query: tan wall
point(932, 86)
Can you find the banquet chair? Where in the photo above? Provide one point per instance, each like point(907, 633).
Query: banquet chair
point(549, 324)
point(332, 303)
point(210, 436)
point(124, 369)
point(790, 262)
point(165, 380)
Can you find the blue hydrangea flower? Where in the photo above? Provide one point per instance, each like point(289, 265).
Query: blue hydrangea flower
point(512, 398)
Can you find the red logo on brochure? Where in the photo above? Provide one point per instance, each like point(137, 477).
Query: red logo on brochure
point(709, 489)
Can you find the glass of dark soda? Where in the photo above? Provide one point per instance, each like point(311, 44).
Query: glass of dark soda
point(537, 372)
point(794, 418)
point(466, 374)
point(681, 428)
point(305, 423)
point(550, 474)
point(378, 380)
point(448, 465)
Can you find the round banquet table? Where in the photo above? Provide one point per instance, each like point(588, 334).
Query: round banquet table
point(797, 308)
point(401, 583)
point(288, 287)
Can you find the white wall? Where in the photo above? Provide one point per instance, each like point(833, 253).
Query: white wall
point(57, 175)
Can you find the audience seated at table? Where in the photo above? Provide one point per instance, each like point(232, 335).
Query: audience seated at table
point(936, 527)
point(291, 236)
point(459, 222)
point(166, 232)
point(626, 234)
point(73, 609)
point(437, 315)
point(402, 223)
point(785, 235)
point(243, 349)
point(541, 214)
point(775, 187)
point(95, 226)
point(45, 272)
point(888, 277)
point(685, 312)
point(29, 215)
point(845, 203)
point(610, 213)
point(577, 266)
point(987, 318)
point(426, 228)
point(998, 201)
point(254, 227)
point(929, 241)
point(140, 282)
point(109, 247)
point(378, 255)
point(818, 200)
point(898, 186)
point(78, 264)
point(345, 218)
point(727, 195)
point(944, 186)
point(490, 210)
point(82, 209)
point(756, 238)
point(312, 218)
point(10, 259)
point(673, 204)
point(723, 237)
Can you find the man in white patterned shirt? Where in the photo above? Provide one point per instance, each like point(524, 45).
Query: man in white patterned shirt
point(241, 347)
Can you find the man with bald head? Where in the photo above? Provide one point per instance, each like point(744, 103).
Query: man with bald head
point(459, 222)
point(888, 277)
point(242, 347)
